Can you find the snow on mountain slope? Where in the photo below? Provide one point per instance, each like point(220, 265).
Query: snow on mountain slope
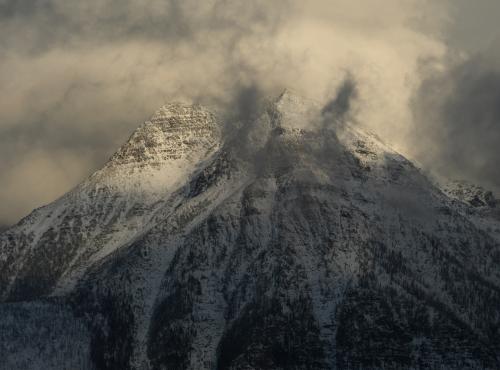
point(301, 242)
point(56, 243)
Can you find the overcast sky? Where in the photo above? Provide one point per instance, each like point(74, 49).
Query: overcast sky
point(76, 77)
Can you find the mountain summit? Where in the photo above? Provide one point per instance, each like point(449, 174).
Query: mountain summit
point(297, 242)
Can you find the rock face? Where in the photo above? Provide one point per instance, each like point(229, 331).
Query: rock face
point(473, 195)
point(299, 243)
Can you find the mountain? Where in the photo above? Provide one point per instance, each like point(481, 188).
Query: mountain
point(296, 241)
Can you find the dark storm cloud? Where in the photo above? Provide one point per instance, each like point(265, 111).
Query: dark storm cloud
point(338, 108)
point(458, 122)
point(247, 103)
point(240, 120)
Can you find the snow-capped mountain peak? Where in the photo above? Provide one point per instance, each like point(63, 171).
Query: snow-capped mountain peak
point(174, 132)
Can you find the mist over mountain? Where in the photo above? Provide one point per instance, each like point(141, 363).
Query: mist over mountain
point(277, 234)
point(76, 77)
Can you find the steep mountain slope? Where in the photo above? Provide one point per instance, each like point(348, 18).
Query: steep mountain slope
point(298, 242)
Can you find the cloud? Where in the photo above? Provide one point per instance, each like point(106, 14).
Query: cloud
point(77, 77)
point(50, 176)
point(339, 107)
point(457, 119)
point(475, 25)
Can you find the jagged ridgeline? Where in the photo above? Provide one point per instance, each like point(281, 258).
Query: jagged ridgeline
point(300, 242)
